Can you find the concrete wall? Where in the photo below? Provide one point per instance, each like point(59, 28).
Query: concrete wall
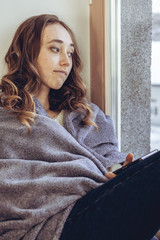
point(74, 12)
point(136, 18)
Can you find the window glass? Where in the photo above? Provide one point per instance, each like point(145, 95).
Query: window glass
point(155, 76)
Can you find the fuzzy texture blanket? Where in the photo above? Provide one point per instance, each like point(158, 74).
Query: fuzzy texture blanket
point(43, 174)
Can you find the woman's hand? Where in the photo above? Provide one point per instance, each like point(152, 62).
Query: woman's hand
point(129, 159)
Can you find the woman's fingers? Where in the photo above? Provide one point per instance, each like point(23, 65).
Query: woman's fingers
point(129, 159)
point(110, 175)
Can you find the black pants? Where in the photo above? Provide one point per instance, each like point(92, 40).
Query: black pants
point(125, 208)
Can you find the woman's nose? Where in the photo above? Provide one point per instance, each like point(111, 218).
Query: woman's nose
point(65, 60)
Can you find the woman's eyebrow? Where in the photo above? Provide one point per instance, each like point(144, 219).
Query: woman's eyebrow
point(60, 41)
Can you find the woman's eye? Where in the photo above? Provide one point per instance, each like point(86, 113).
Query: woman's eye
point(55, 49)
point(70, 54)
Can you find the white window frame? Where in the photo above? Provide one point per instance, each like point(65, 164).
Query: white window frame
point(113, 63)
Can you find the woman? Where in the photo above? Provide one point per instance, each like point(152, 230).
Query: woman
point(56, 147)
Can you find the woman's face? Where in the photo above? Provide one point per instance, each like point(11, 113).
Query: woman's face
point(54, 61)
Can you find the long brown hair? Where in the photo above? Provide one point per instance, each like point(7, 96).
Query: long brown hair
point(23, 79)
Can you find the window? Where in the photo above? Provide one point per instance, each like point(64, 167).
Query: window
point(155, 77)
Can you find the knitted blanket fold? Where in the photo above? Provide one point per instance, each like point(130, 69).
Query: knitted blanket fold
point(44, 173)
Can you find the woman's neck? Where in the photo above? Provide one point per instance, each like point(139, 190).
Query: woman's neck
point(43, 97)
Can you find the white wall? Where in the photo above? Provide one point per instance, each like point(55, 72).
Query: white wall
point(74, 12)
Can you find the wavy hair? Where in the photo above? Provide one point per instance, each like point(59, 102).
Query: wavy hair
point(22, 79)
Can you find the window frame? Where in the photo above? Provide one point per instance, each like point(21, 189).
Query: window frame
point(105, 32)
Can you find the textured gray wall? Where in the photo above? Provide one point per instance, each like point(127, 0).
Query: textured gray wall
point(136, 19)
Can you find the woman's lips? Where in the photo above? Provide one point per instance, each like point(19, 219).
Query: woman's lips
point(61, 72)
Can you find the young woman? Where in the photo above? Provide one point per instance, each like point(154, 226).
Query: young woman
point(56, 148)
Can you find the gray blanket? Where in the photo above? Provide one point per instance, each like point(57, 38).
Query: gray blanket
point(43, 174)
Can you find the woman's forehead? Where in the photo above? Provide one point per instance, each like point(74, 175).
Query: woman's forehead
point(56, 32)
